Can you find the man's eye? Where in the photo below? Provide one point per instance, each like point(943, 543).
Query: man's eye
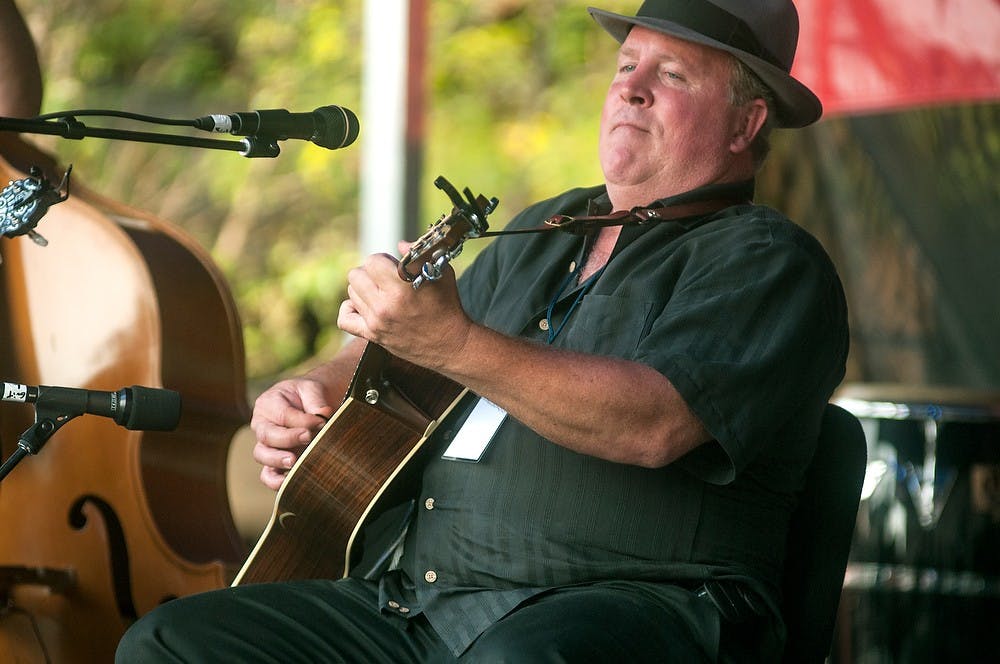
point(626, 68)
point(674, 75)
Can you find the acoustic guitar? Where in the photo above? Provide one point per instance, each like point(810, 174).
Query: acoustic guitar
point(366, 458)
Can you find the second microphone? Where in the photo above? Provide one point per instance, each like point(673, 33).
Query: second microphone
point(331, 127)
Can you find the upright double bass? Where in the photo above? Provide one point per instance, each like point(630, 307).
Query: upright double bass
point(104, 523)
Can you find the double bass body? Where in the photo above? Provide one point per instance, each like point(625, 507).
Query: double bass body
point(105, 523)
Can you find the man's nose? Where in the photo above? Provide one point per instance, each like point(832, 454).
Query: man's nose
point(636, 89)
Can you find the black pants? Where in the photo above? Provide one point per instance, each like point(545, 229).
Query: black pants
point(325, 621)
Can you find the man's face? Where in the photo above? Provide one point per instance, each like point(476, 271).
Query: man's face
point(668, 123)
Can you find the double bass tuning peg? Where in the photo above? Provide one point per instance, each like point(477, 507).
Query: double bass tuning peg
point(24, 202)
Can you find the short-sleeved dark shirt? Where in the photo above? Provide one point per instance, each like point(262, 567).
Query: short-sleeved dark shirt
point(743, 312)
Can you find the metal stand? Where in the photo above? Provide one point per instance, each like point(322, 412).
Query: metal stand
point(33, 439)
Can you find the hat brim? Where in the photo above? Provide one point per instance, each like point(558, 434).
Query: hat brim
point(797, 106)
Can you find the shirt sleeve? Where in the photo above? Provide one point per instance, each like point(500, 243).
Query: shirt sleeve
point(755, 329)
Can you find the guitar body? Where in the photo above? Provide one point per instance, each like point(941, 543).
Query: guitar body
point(365, 460)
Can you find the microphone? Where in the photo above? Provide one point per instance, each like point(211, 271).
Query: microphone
point(331, 127)
point(137, 408)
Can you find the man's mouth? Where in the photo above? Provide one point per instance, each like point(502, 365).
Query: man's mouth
point(629, 124)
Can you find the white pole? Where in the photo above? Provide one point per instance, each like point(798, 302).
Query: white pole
point(383, 125)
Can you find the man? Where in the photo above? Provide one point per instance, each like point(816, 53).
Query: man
point(662, 384)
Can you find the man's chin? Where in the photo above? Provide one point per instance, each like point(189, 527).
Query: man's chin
point(623, 172)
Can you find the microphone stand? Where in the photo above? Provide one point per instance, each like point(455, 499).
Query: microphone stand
point(24, 202)
point(34, 438)
point(56, 580)
point(70, 127)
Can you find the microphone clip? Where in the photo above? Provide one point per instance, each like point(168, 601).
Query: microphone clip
point(34, 437)
point(260, 146)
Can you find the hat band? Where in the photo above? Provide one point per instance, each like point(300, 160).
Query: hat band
point(711, 21)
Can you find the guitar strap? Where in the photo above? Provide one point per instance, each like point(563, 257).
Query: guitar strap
point(700, 201)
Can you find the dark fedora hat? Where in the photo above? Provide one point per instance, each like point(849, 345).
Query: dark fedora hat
point(762, 34)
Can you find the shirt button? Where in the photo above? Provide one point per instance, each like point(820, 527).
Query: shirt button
point(544, 324)
point(430, 576)
point(429, 503)
point(393, 604)
point(403, 609)
point(572, 266)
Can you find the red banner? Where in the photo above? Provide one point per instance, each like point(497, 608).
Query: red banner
point(873, 55)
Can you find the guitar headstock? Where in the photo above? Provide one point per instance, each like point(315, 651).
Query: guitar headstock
point(434, 249)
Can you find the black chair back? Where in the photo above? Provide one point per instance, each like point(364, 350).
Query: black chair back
point(820, 534)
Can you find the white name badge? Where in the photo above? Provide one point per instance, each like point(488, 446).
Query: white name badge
point(476, 433)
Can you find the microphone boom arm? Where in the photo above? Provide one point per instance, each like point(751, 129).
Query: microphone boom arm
point(69, 127)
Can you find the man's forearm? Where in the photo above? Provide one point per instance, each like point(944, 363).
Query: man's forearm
point(614, 409)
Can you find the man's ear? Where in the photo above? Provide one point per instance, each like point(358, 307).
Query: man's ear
point(751, 119)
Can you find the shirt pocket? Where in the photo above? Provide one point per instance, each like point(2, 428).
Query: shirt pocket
point(608, 325)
